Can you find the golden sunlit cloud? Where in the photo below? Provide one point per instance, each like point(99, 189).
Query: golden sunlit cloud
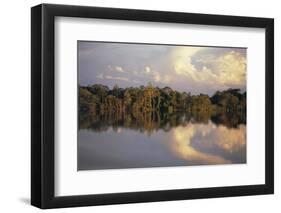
point(223, 70)
point(232, 68)
point(181, 60)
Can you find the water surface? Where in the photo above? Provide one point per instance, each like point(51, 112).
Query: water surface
point(123, 141)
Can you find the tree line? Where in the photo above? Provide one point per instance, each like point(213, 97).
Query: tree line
point(100, 99)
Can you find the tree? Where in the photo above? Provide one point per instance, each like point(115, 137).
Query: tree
point(87, 101)
point(98, 98)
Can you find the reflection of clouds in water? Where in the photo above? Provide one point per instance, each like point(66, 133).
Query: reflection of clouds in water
point(229, 140)
point(186, 141)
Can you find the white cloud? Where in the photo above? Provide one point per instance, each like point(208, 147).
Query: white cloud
point(109, 77)
point(147, 69)
point(119, 69)
point(115, 68)
point(155, 75)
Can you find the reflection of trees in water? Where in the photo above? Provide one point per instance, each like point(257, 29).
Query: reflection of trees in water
point(231, 120)
point(152, 121)
point(148, 108)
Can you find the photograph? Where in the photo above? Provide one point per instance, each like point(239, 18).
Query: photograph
point(160, 105)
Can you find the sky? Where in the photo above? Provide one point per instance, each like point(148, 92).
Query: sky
point(194, 69)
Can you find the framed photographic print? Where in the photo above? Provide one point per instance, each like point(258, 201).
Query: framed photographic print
point(139, 106)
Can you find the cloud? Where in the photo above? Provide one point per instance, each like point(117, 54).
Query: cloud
point(181, 60)
point(115, 68)
point(109, 77)
point(155, 76)
point(222, 68)
point(119, 69)
point(232, 68)
point(147, 69)
point(116, 78)
point(184, 68)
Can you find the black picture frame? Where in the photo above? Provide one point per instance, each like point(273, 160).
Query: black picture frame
point(43, 102)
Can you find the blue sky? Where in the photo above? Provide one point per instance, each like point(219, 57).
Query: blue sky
point(192, 69)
